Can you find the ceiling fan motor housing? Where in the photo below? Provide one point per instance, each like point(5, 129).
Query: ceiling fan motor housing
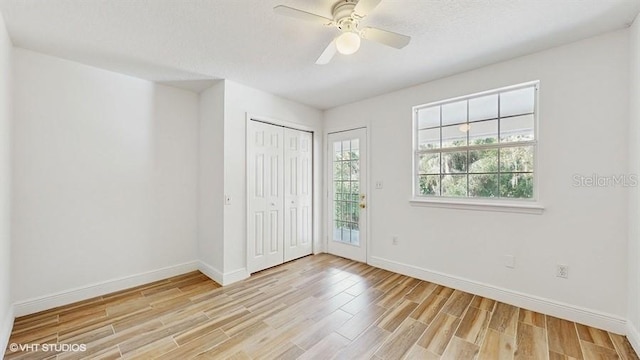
point(343, 15)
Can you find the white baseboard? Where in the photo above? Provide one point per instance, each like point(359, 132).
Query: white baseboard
point(221, 278)
point(47, 302)
point(578, 314)
point(213, 273)
point(634, 336)
point(235, 276)
point(5, 330)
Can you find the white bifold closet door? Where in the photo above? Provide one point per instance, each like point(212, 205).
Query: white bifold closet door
point(297, 194)
point(265, 221)
point(279, 193)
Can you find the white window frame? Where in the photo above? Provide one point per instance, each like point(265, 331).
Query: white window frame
point(530, 205)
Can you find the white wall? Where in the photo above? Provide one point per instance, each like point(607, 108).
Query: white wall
point(115, 176)
point(583, 115)
point(634, 198)
point(6, 314)
point(104, 174)
point(211, 180)
point(240, 100)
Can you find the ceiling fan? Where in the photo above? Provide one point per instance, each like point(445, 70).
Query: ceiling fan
point(347, 15)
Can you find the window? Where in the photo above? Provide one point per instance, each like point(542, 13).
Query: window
point(481, 146)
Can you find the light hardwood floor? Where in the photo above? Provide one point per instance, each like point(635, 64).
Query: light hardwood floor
point(318, 307)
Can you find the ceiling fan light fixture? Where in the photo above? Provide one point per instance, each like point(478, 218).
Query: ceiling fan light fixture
point(346, 17)
point(348, 43)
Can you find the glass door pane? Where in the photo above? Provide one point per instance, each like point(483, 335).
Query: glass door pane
point(347, 197)
point(346, 194)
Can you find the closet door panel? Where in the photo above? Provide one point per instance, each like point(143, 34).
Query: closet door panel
point(297, 194)
point(265, 194)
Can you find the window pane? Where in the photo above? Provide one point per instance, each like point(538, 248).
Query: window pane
point(337, 149)
point(345, 234)
point(348, 166)
point(516, 159)
point(355, 145)
point(483, 161)
point(484, 132)
point(519, 128)
point(429, 164)
point(347, 209)
point(454, 185)
point(429, 139)
point(337, 231)
point(483, 185)
point(354, 155)
point(483, 108)
point(340, 171)
point(429, 185)
point(452, 136)
point(344, 211)
point(454, 113)
point(344, 187)
point(517, 102)
point(429, 117)
point(355, 187)
point(516, 185)
point(355, 170)
point(346, 150)
point(355, 214)
point(454, 162)
point(337, 215)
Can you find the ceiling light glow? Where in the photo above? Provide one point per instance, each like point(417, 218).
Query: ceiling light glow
point(348, 43)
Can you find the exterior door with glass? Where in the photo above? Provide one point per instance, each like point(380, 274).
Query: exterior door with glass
point(347, 197)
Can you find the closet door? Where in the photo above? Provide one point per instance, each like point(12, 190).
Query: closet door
point(265, 195)
point(297, 194)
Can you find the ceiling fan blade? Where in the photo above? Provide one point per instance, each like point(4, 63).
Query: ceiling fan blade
point(364, 7)
point(327, 54)
point(301, 15)
point(385, 37)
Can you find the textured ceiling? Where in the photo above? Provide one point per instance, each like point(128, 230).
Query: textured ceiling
point(181, 42)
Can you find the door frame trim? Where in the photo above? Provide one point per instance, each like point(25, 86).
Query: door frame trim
point(315, 203)
point(366, 186)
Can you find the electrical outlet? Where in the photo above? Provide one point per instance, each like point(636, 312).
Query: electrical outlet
point(394, 240)
point(379, 184)
point(510, 261)
point(562, 271)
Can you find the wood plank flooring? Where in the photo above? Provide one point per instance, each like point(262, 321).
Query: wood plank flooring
point(318, 307)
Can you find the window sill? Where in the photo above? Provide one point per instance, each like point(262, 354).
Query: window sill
point(500, 206)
